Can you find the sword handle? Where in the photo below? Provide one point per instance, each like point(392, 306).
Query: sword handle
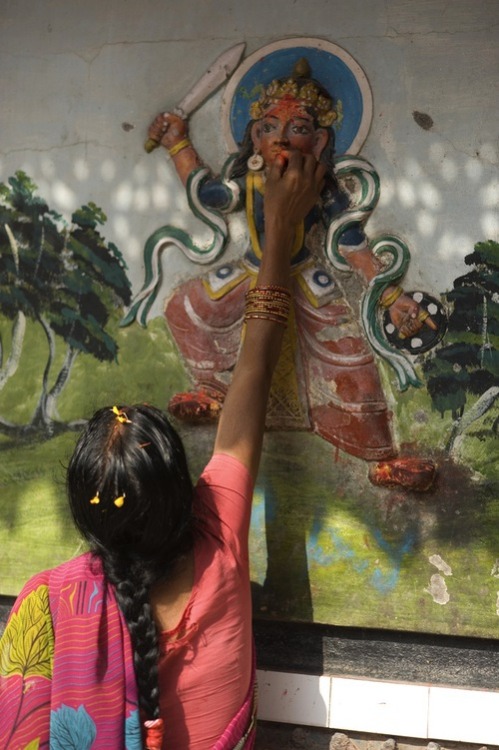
point(151, 144)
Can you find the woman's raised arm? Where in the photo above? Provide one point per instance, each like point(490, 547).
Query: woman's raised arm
point(293, 186)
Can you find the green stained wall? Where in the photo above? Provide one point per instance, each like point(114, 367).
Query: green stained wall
point(79, 89)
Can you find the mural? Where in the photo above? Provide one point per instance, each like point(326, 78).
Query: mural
point(375, 505)
point(328, 379)
point(67, 281)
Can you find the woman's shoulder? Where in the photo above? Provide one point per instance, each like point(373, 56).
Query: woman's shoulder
point(227, 471)
point(85, 566)
point(74, 569)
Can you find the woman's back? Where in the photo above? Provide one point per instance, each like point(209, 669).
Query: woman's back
point(206, 651)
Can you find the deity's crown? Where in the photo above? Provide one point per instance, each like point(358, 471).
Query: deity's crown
point(306, 92)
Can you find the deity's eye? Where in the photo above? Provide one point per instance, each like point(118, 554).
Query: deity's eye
point(301, 130)
point(268, 127)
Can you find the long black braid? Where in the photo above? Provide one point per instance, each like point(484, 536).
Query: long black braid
point(130, 494)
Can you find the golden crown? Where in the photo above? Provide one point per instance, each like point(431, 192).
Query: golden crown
point(308, 94)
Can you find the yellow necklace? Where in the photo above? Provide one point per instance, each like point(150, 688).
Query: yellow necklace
point(254, 181)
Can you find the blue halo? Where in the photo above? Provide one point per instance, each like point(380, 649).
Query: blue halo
point(330, 65)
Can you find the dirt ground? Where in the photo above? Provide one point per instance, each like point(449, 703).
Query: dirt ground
point(272, 736)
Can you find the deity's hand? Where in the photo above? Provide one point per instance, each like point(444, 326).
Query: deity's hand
point(408, 317)
point(168, 130)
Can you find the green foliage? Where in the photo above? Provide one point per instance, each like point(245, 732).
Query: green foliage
point(89, 216)
point(468, 363)
point(66, 278)
point(485, 254)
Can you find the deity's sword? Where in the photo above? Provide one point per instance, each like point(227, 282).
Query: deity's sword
point(218, 72)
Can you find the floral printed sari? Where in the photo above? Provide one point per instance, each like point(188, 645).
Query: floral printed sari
point(66, 669)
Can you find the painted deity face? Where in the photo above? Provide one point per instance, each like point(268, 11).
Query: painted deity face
point(284, 126)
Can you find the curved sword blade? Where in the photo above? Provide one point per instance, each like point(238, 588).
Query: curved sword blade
point(218, 72)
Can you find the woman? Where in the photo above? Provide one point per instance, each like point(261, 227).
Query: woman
point(146, 640)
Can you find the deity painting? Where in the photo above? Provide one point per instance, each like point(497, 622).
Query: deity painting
point(348, 305)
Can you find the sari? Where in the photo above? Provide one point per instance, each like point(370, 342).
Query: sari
point(66, 669)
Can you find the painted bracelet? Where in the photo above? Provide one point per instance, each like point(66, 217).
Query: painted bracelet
point(392, 297)
point(174, 150)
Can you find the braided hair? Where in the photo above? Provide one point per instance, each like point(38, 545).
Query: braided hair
point(130, 495)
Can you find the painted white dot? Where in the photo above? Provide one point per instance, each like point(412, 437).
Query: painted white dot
point(417, 297)
point(432, 308)
point(416, 342)
point(390, 328)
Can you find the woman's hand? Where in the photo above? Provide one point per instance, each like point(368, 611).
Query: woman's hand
point(168, 130)
point(293, 186)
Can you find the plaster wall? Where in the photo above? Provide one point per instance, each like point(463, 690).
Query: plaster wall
point(81, 81)
point(80, 84)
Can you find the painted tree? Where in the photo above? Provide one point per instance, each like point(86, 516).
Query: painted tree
point(65, 278)
point(468, 365)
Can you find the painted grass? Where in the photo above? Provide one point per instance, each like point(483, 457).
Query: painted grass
point(326, 545)
point(35, 528)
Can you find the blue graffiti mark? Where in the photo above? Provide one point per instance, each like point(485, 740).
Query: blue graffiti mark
point(383, 581)
point(341, 550)
point(386, 581)
point(396, 551)
point(258, 516)
point(265, 513)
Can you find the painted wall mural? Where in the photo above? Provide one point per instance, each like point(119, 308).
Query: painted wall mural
point(376, 504)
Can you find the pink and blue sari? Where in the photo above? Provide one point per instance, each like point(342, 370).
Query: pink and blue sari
point(66, 669)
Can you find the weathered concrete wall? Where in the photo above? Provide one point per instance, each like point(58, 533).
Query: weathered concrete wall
point(80, 84)
point(81, 81)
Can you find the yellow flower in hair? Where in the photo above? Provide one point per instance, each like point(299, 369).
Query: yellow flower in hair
point(120, 501)
point(121, 415)
point(95, 500)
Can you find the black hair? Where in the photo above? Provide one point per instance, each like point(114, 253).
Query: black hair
point(137, 456)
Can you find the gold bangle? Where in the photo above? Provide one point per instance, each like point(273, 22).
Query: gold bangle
point(280, 320)
point(270, 302)
point(185, 143)
point(271, 288)
point(390, 298)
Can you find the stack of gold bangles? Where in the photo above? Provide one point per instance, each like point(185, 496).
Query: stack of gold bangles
point(268, 303)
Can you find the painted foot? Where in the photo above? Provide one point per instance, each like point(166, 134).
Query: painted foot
point(197, 406)
point(417, 474)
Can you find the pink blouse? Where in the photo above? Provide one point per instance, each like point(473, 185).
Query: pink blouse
point(206, 664)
